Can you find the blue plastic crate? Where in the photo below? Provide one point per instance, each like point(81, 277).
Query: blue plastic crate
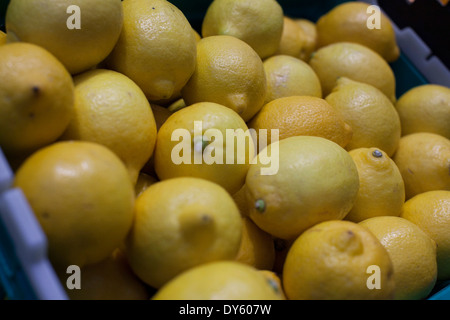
point(25, 271)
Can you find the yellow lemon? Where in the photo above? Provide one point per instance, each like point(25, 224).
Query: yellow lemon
point(412, 252)
point(161, 115)
point(425, 108)
point(431, 212)
point(257, 248)
point(333, 260)
point(316, 180)
point(274, 280)
point(181, 223)
point(381, 187)
point(240, 199)
point(256, 22)
point(372, 116)
point(354, 61)
point(423, 160)
point(2, 38)
point(288, 76)
point(109, 279)
point(292, 40)
point(83, 198)
point(194, 142)
point(156, 48)
point(112, 110)
point(310, 41)
point(229, 72)
point(220, 280)
point(302, 116)
point(36, 98)
point(352, 21)
point(197, 35)
point(80, 34)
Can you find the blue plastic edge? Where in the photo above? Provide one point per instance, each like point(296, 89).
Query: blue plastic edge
point(25, 271)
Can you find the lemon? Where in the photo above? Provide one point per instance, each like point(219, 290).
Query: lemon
point(431, 212)
point(332, 261)
point(354, 61)
point(372, 116)
point(425, 108)
point(109, 279)
point(156, 48)
point(229, 72)
point(50, 26)
point(317, 180)
point(274, 280)
point(350, 21)
point(288, 76)
point(161, 114)
point(36, 98)
point(302, 116)
point(193, 142)
point(292, 40)
point(412, 252)
point(112, 110)
point(257, 248)
point(2, 38)
point(423, 160)
point(83, 198)
point(381, 187)
point(197, 35)
point(220, 280)
point(143, 182)
point(240, 198)
point(181, 223)
point(309, 29)
point(256, 22)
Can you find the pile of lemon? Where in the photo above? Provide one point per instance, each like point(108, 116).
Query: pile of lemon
point(92, 97)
